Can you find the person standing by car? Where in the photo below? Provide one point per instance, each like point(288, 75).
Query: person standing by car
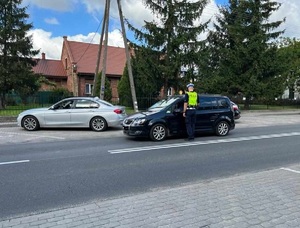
point(191, 101)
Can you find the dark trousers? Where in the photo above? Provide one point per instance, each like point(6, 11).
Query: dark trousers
point(190, 121)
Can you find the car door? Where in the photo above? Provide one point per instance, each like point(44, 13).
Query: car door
point(207, 113)
point(174, 118)
point(83, 111)
point(59, 115)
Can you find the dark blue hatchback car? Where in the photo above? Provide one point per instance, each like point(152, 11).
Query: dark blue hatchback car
point(164, 118)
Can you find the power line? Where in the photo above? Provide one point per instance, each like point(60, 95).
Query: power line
point(90, 41)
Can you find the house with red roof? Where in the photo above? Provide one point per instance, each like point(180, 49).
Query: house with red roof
point(76, 69)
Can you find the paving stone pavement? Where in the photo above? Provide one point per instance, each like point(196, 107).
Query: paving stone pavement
point(264, 199)
point(268, 199)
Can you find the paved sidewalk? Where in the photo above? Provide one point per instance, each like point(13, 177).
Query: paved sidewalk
point(265, 199)
point(268, 118)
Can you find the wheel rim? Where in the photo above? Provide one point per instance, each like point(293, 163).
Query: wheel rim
point(30, 123)
point(98, 124)
point(223, 128)
point(159, 133)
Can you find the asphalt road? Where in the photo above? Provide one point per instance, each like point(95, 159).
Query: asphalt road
point(52, 169)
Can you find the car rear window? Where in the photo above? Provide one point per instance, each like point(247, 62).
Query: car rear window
point(104, 102)
point(86, 104)
point(208, 103)
point(223, 103)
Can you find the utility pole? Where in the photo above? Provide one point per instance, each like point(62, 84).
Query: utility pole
point(105, 28)
point(100, 48)
point(102, 88)
point(131, 81)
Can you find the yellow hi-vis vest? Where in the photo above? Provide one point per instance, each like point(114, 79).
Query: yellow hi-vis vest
point(193, 96)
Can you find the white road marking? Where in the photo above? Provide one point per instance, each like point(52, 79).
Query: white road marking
point(176, 145)
point(14, 162)
point(290, 170)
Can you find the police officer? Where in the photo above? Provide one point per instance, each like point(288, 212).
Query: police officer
point(191, 102)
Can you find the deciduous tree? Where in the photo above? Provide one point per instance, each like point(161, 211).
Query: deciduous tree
point(289, 52)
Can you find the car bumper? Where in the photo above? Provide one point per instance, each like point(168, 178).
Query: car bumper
point(19, 121)
point(135, 131)
point(232, 126)
point(236, 117)
point(117, 122)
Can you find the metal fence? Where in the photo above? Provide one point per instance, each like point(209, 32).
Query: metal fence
point(16, 104)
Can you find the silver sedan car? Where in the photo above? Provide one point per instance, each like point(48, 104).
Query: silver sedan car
point(74, 112)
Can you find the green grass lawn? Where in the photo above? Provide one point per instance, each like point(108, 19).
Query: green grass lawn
point(270, 107)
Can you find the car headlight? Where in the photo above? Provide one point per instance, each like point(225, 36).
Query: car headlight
point(138, 122)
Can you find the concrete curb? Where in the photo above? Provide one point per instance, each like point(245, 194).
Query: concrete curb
point(5, 119)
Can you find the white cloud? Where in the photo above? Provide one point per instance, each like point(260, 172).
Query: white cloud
point(114, 38)
point(132, 9)
point(137, 14)
point(52, 46)
point(44, 42)
point(290, 10)
point(52, 21)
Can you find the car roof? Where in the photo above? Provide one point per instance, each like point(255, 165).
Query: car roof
point(201, 95)
point(95, 99)
point(212, 95)
point(82, 97)
point(87, 98)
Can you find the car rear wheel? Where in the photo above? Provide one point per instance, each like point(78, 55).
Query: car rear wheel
point(222, 128)
point(30, 123)
point(158, 132)
point(98, 124)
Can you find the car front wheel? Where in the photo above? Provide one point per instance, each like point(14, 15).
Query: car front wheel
point(98, 124)
point(158, 132)
point(222, 128)
point(30, 123)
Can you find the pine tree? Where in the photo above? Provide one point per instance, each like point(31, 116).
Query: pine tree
point(175, 38)
point(16, 50)
point(124, 89)
point(243, 48)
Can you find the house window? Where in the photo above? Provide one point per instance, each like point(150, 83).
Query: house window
point(88, 88)
point(169, 92)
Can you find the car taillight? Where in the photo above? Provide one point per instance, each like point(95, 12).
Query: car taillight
point(118, 111)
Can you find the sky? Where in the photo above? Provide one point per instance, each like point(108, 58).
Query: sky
point(81, 20)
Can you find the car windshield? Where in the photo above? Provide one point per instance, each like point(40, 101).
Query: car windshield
point(163, 103)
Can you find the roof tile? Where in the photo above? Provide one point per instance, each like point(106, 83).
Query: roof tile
point(85, 56)
point(49, 67)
